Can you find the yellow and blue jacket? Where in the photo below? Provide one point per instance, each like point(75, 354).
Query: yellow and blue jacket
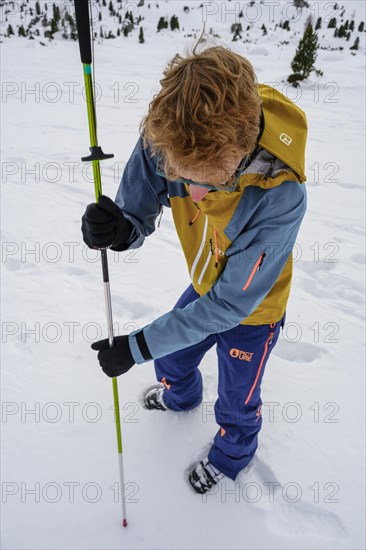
point(238, 245)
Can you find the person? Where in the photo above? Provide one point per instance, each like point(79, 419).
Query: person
point(226, 154)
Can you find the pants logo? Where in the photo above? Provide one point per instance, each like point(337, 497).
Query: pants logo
point(240, 354)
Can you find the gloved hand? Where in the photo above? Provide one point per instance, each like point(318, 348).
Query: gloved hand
point(117, 360)
point(104, 225)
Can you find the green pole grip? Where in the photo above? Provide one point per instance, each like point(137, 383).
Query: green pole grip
point(88, 80)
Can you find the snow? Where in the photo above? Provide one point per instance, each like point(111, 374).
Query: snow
point(312, 442)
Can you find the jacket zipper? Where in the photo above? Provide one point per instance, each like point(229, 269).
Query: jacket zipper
point(256, 267)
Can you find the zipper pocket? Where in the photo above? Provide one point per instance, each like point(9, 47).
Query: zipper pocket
point(266, 345)
point(256, 267)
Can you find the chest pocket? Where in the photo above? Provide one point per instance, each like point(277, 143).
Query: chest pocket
point(210, 259)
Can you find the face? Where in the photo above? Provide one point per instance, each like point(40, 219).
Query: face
point(213, 177)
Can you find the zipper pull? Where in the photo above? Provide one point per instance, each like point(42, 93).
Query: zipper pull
point(261, 262)
point(161, 214)
point(196, 216)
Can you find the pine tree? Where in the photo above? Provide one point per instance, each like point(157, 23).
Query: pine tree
point(54, 26)
point(56, 13)
point(10, 30)
point(38, 8)
point(332, 23)
point(141, 36)
point(21, 31)
point(286, 25)
point(348, 35)
point(352, 25)
point(118, 32)
point(162, 24)
point(174, 23)
point(305, 56)
point(100, 16)
point(318, 24)
point(361, 26)
point(263, 28)
point(236, 28)
point(346, 25)
point(342, 32)
point(127, 26)
point(356, 44)
point(73, 30)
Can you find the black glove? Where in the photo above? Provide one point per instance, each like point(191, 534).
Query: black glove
point(104, 225)
point(117, 360)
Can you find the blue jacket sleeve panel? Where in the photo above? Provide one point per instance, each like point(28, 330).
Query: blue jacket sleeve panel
point(141, 194)
point(255, 260)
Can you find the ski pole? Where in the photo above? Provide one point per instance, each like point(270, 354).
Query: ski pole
point(96, 155)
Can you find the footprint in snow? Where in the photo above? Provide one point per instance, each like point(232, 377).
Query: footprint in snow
point(300, 352)
point(76, 271)
point(304, 519)
point(359, 259)
point(13, 264)
point(336, 287)
point(259, 471)
point(294, 518)
point(316, 268)
point(134, 309)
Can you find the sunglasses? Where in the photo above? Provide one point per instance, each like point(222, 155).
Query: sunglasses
point(230, 185)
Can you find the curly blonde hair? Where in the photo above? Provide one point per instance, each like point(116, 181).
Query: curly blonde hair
point(208, 110)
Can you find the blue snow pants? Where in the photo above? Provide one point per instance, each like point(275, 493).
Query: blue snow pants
point(242, 355)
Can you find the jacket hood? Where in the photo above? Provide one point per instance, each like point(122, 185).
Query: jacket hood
point(285, 129)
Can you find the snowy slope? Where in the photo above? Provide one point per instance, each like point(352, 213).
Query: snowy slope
point(311, 445)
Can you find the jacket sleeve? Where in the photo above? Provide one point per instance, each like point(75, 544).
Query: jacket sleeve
point(255, 260)
point(141, 194)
